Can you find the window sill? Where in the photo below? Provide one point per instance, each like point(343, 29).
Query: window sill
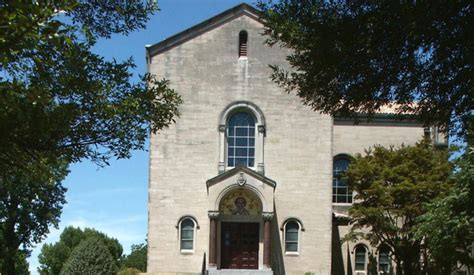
point(186, 252)
point(292, 253)
point(342, 203)
point(227, 168)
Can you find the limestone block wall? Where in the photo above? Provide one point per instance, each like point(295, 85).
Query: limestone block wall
point(351, 139)
point(208, 74)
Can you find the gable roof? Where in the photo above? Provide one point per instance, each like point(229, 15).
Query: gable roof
point(234, 171)
point(203, 27)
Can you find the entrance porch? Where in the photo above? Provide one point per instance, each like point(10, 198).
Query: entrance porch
point(240, 223)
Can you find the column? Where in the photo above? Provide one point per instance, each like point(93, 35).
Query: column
point(213, 238)
point(267, 220)
point(259, 149)
point(222, 143)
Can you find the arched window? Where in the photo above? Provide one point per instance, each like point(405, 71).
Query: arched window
point(243, 37)
point(340, 191)
point(241, 137)
point(384, 260)
point(241, 140)
point(292, 230)
point(360, 259)
point(186, 230)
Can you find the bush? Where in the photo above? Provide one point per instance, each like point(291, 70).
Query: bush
point(53, 256)
point(137, 258)
point(90, 257)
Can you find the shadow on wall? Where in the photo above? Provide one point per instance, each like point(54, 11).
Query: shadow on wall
point(372, 266)
point(337, 263)
point(278, 265)
point(349, 262)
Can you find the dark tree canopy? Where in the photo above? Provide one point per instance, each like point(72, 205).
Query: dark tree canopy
point(21, 265)
point(59, 99)
point(29, 205)
point(392, 187)
point(357, 56)
point(62, 103)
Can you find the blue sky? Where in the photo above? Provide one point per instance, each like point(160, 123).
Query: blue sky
point(113, 199)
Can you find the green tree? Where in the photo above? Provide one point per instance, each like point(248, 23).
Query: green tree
point(137, 258)
point(447, 228)
point(392, 188)
point(91, 256)
point(62, 103)
point(29, 205)
point(53, 256)
point(21, 265)
point(356, 56)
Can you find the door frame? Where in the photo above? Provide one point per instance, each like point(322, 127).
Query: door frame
point(239, 219)
point(239, 224)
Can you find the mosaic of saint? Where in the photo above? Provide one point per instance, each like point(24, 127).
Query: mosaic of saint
point(240, 202)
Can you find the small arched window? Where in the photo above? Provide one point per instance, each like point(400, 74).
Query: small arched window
point(241, 140)
point(243, 38)
point(384, 260)
point(292, 230)
point(360, 258)
point(340, 190)
point(187, 227)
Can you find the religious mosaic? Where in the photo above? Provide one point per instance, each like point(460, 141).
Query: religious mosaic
point(240, 202)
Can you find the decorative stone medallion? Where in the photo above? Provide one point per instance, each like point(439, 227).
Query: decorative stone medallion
point(241, 180)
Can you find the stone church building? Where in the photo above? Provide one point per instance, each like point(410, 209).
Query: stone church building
point(246, 180)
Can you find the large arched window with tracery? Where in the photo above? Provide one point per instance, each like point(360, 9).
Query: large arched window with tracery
point(241, 139)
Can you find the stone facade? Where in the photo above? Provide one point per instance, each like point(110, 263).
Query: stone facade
point(292, 177)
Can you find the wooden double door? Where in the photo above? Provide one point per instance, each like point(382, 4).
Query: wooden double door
point(239, 245)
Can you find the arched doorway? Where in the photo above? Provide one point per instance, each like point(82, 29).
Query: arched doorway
point(240, 211)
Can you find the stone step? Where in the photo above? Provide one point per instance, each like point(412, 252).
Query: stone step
point(238, 272)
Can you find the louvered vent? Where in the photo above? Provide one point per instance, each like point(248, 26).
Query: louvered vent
point(243, 44)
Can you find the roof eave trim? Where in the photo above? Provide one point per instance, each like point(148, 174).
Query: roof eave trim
point(379, 117)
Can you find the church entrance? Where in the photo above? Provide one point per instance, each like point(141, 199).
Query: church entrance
point(239, 245)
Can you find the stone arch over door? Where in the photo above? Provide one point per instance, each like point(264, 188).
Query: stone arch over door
point(240, 201)
point(240, 198)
